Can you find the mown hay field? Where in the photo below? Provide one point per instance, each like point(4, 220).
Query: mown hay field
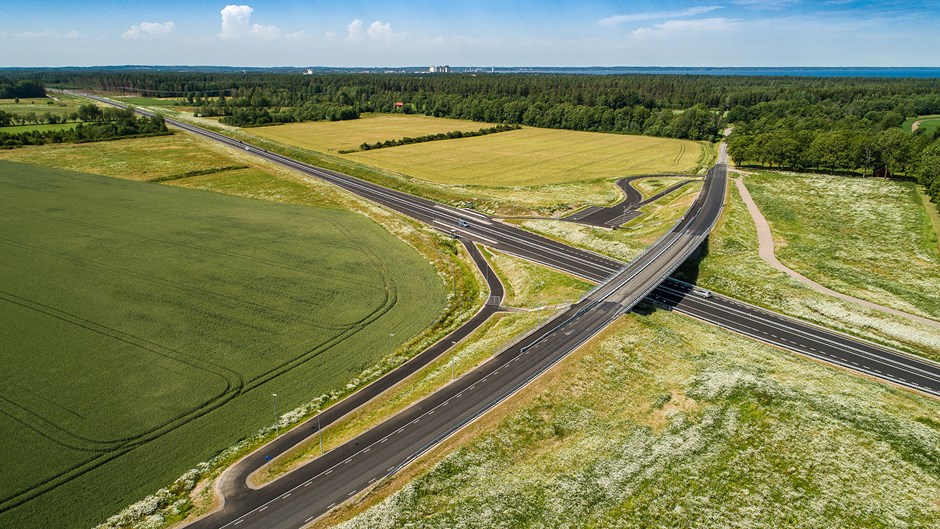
point(533, 156)
point(526, 157)
point(333, 136)
point(145, 328)
point(16, 129)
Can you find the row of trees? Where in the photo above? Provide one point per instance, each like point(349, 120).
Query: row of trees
point(927, 170)
point(892, 150)
point(250, 116)
point(107, 124)
point(454, 134)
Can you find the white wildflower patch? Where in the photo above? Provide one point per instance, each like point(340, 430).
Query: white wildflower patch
point(775, 441)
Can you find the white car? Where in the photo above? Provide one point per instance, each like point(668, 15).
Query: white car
point(701, 292)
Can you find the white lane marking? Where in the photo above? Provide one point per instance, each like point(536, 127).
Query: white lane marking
point(834, 339)
point(328, 471)
point(263, 508)
point(330, 506)
point(461, 213)
point(239, 521)
point(286, 495)
point(366, 450)
point(468, 234)
point(351, 493)
point(308, 519)
point(371, 480)
point(307, 484)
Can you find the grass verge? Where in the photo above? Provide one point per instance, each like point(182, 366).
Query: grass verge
point(517, 276)
point(629, 240)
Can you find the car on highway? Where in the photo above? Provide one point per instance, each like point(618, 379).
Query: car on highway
point(701, 292)
point(463, 223)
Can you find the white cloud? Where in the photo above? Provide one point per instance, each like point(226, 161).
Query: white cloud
point(681, 27)
point(378, 30)
point(235, 21)
point(148, 29)
point(74, 34)
point(296, 36)
point(330, 35)
point(236, 24)
point(617, 20)
point(262, 32)
point(354, 30)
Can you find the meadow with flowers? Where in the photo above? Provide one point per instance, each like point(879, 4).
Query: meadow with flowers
point(663, 421)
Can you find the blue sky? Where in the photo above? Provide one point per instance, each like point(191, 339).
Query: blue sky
point(479, 33)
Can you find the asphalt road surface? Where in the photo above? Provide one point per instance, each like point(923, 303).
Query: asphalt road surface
point(798, 336)
point(617, 215)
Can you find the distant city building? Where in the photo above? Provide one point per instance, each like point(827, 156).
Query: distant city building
point(309, 71)
point(439, 69)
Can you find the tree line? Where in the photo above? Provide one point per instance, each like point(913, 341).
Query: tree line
point(97, 125)
point(454, 134)
point(841, 124)
point(14, 89)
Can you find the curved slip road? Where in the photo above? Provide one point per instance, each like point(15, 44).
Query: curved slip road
point(234, 481)
point(617, 215)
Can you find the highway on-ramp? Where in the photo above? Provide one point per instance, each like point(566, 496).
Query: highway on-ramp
point(311, 490)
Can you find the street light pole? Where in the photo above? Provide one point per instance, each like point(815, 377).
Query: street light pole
point(277, 430)
point(320, 431)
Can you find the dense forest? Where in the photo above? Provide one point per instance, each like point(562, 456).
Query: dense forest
point(833, 124)
point(13, 89)
point(97, 125)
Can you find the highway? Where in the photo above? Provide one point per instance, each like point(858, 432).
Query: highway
point(798, 336)
point(360, 462)
point(308, 492)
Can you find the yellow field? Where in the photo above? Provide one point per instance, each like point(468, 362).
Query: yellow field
point(532, 156)
point(333, 136)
